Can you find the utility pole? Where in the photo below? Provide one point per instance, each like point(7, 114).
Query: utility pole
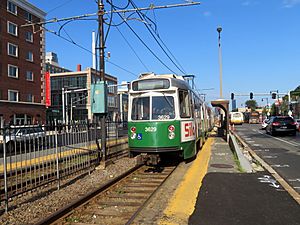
point(102, 73)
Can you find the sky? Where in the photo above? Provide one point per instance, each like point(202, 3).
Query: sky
point(259, 43)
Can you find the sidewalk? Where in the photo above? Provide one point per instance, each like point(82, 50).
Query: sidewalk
point(228, 197)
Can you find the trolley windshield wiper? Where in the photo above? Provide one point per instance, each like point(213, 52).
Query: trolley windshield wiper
point(170, 104)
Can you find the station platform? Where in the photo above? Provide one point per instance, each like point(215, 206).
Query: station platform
point(215, 192)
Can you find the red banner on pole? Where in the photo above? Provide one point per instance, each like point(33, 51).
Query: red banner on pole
point(48, 89)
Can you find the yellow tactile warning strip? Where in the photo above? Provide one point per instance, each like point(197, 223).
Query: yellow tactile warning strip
point(16, 165)
point(183, 202)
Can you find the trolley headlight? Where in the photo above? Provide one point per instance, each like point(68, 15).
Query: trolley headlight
point(171, 128)
point(171, 135)
point(133, 134)
point(133, 129)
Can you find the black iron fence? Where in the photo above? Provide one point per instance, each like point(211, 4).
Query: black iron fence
point(34, 155)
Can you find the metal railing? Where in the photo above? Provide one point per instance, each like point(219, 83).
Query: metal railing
point(36, 155)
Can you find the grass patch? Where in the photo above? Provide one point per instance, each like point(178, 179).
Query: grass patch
point(237, 162)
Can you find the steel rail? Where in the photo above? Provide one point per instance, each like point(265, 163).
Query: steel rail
point(67, 209)
point(148, 199)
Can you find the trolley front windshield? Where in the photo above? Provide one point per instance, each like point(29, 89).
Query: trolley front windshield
point(162, 108)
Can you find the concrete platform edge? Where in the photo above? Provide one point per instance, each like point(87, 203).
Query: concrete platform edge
point(244, 163)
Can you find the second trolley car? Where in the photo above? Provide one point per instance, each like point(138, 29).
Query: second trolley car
point(165, 117)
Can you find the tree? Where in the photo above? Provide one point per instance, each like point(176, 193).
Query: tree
point(273, 110)
point(252, 104)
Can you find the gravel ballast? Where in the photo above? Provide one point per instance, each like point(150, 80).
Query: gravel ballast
point(29, 209)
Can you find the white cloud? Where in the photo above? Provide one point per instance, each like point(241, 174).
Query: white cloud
point(250, 3)
point(246, 3)
point(207, 13)
point(290, 3)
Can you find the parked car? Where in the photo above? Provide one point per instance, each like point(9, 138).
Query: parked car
point(281, 124)
point(15, 135)
point(264, 124)
point(297, 124)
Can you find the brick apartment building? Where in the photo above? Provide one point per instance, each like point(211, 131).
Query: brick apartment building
point(22, 52)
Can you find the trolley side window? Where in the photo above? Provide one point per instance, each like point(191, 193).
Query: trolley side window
point(184, 104)
point(140, 108)
point(163, 108)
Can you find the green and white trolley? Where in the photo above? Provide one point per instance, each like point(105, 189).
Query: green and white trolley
point(166, 117)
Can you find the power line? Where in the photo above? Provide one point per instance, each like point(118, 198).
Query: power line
point(61, 5)
point(87, 50)
point(141, 15)
point(133, 50)
point(134, 74)
point(54, 20)
point(146, 45)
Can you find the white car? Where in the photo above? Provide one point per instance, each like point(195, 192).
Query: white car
point(18, 134)
point(264, 124)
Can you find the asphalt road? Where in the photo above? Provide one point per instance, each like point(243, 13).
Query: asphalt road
point(281, 152)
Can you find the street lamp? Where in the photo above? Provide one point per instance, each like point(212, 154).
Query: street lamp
point(219, 29)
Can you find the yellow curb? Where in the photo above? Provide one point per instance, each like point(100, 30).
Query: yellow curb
point(183, 202)
point(51, 157)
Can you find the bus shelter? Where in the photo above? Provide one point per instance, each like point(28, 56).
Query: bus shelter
point(223, 130)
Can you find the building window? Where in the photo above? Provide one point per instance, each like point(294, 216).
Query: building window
point(11, 7)
point(29, 75)
point(30, 98)
point(13, 96)
point(13, 71)
point(12, 49)
point(12, 28)
point(28, 16)
point(29, 36)
point(29, 56)
point(111, 101)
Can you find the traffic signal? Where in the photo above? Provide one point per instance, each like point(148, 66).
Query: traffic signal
point(251, 95)
point(232, 96)
point(273, 95)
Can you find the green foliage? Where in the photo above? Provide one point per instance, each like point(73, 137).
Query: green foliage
point(273, 110)
point(252, 104)
point(284, 108)
point(264, 111)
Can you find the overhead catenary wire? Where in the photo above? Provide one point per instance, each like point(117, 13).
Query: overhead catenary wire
point(87, 50)
point(142, 16)
point(113, 11)
point(59, 6)
point(140, 39)
point(130, 46)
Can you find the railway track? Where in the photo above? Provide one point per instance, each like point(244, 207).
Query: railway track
point(117, 202)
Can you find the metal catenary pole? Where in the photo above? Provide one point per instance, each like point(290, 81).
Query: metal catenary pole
point(5, 171)
point(56, 155)
point(102, 72)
